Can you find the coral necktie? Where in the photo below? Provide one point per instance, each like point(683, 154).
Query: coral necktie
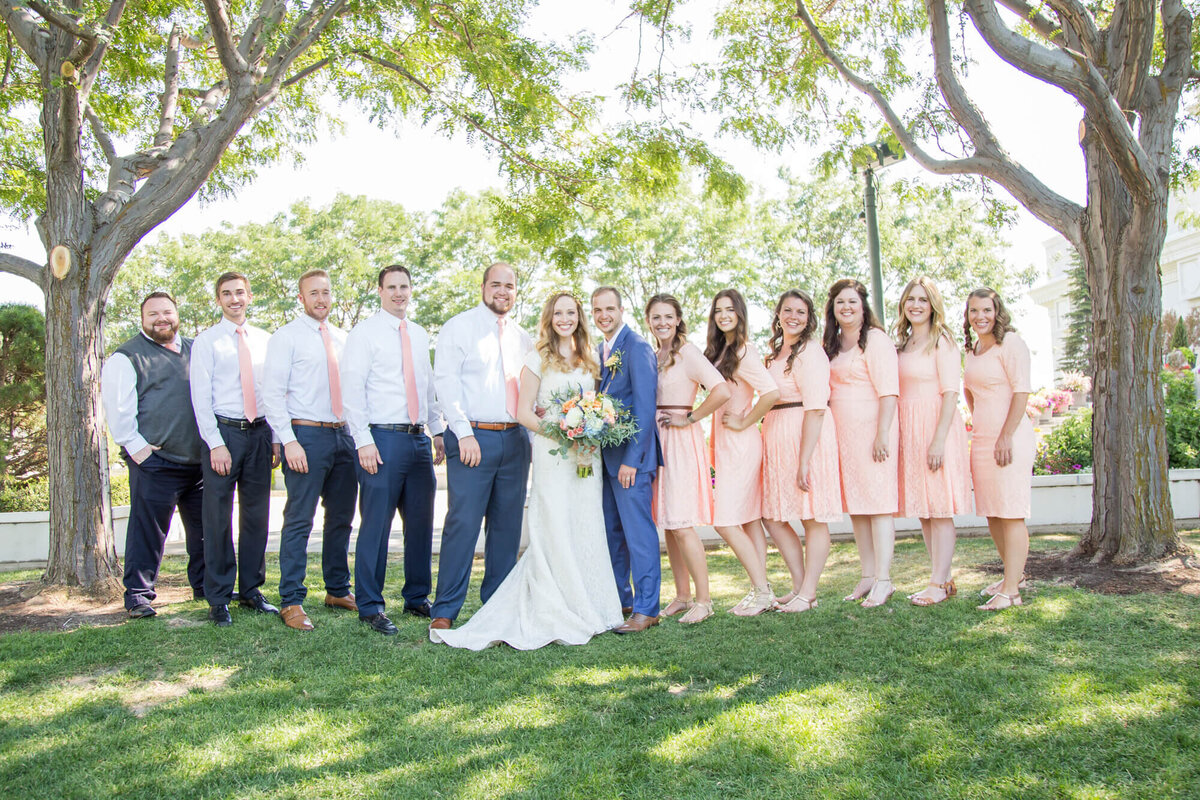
point(246, 368)
point(335, 380)
point(410, 375)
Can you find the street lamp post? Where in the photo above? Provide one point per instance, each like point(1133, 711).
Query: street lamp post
point(884, 157)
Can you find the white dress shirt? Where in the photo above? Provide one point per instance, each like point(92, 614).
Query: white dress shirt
point(608, 342)
point(295, 383)
point(118, 391)
point(373, 390)
point(216, 376)
point(468, 372)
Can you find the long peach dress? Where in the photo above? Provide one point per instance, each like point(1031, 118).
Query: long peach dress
point(806, 382)
point(738, 455)
point(924, 378)
point(992, 378)
point(857, 379)
point(683, 496)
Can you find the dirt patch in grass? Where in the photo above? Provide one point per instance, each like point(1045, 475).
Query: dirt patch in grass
point(27, 606)
point(1179, 573)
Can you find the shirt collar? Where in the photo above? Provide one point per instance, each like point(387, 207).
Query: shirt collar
point(616, 333)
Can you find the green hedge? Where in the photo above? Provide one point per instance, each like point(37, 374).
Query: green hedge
point(35, 495)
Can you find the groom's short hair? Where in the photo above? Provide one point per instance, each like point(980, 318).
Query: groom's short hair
point(602, 289)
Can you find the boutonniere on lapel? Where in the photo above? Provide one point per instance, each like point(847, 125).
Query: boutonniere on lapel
point(613, 362)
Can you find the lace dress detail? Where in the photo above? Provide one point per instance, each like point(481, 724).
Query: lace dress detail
point(562, 590)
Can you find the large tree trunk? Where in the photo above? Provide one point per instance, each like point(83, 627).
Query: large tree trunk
point(1123, 239)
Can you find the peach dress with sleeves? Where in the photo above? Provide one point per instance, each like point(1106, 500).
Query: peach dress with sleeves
point(992, 378)
point(683, 494)
point(738, 455)
point(924, 377)
point(857, 379)
point(807, 382)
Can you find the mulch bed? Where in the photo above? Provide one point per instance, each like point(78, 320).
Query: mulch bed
point(1179, 573)
point(26, 606)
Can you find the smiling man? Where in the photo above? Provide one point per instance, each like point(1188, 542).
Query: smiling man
point(302, 391)
point(144, 385)
point(226, 383)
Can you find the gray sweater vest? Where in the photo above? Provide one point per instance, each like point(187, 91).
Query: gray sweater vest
point(165, 417)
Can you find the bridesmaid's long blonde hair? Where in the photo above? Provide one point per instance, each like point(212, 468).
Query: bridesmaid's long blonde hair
point(548, 340)
point(1002, 325)
point(937, 315)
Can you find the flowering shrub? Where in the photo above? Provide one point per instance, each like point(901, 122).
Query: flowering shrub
point(1075, 382)
point(1068, 448)
point(1037, 403)
point(1059, 399)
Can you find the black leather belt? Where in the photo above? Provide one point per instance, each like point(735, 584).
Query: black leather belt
point(242, 424)
point(415, 430)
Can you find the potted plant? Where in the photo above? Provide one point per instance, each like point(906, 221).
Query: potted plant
point(1078, 385)
point(1038, 407)
point(1060, 400)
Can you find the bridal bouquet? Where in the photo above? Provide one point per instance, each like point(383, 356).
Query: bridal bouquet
point(583, 422)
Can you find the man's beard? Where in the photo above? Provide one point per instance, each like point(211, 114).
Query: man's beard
point(162, 336)
point(494, 305)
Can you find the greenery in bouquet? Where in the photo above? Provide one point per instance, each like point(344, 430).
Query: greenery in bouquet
point(583, 422)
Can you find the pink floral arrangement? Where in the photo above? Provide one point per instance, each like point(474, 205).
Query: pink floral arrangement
point(1060, 400)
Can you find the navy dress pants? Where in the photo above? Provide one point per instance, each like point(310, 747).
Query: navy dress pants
point(250, 476)
point(156, 488)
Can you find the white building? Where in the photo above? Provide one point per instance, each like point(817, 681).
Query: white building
point(1180, 265)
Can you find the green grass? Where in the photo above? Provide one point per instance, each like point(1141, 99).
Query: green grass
point(1078, 695)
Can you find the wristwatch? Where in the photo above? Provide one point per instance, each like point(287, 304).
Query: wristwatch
point(690, 418)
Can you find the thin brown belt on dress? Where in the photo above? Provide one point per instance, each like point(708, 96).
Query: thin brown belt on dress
point(312, 423)
point(779, 406)
point(674, 408)
point(495, 426)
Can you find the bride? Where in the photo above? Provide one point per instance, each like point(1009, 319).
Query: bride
point(562, 590)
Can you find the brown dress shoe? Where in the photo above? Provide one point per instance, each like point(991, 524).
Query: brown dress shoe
point(626, 610)
point(346, 602)
point(440, 623)
point(636, 624)
point(295, 618)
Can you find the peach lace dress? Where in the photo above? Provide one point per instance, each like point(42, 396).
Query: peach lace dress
point(737, 455)
point(992, 378)
point(683, 494)
point(924, 377)
point(857, 379)
point(807, 382)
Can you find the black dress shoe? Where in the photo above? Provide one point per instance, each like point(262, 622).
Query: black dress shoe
point(379, 622)
point(221, 616)
point(421, 610)
point(142, 610)
point(258, 603)
point(197, 594)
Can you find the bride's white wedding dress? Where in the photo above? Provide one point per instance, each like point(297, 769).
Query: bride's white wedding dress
point(562, 589)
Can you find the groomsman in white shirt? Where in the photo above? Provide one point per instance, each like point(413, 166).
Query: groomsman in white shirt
point(302, 392)
point(144, 386)
point(480, 353)
point(387, 388)
point(226, 383)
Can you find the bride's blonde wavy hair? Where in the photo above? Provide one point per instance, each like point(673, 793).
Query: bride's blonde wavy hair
point(548, 340)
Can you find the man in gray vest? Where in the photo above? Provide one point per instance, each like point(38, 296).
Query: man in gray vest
point(144, 385)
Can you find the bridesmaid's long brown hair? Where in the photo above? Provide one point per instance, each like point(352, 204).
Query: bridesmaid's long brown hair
point(680, 331)
point(1003, 322)
point(776, 344)
point(832, 346)
point(721, 353)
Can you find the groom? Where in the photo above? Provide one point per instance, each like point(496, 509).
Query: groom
point(629, 373)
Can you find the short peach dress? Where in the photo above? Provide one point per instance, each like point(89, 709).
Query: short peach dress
point(924, 378)
point(806, 382)
point(857, 379)
point(737, 455)
point(683, 492)
point(991, 379)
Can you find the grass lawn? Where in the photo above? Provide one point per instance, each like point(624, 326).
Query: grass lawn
point(1076, 695)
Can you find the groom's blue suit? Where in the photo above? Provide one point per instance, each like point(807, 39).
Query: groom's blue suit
point(632, 535)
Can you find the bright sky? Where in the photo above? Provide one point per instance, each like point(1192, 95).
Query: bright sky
point(419, 168)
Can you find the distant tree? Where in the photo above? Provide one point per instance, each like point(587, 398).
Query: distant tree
point(22, 393)
point(1179, 335)
point(1077, 346)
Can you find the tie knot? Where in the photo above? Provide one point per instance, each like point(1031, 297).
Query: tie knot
point(321, 327)
point(500, 323)
point(403, 324)
point(241, 331)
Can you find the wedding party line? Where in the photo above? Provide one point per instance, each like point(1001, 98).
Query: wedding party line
point(836, 417)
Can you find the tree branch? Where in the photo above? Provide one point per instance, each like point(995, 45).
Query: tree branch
point(21, 267)
point(1076, 17)
point(91, 68)
point(1131, 48)
point(253, 43)
point(62, 21)
point(304, 73)
point(1051, 208)
point(218, 21)
point(308, 29)
point(1047, 28)
point(169, 98)
point(1054, 66)
point(102, 138)
point(29, 35)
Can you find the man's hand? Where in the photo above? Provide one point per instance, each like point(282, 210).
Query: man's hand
point(468, 451)
point(627, 476)
point(143, 454)
point(221, 460)
point(276, 455)
point(368, 456)
point(439, 450)
point(297, 459)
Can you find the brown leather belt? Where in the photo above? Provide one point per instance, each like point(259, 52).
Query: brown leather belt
point(674, 408)
point(312, 423)
point(495, 426)
point(778, 406)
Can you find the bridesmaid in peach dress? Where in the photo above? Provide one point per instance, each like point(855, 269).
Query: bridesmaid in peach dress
point(800, 457)
point(683, 489)
point(933, 438)
point(737, 446)
point(863, 386)
point(997, 384)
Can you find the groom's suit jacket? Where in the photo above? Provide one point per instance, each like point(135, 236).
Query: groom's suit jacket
point(635, 383)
